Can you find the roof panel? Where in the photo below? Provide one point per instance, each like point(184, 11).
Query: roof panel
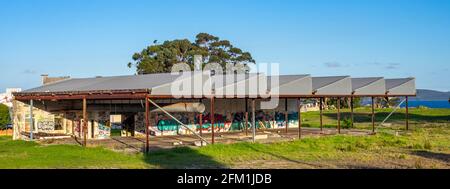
point(368, 86)
point(291, 85)
point(133, 82)
point(243, 85)
point(339, 85)
point(401, 86)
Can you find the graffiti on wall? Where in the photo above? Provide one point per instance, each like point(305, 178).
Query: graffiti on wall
point(104, 131)
point(46, 126)
point(139, 125)
point(103, 116)
point(75, 120)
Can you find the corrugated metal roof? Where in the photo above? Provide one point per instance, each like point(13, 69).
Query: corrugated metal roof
point(401, 86)
point(336, 85)
point(302, 85)
point(291, 85)
point(368, 86)
point(319, 82)
point(364, 81)
point(132, 82)
point(392, 83)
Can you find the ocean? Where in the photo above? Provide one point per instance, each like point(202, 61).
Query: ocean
point(429, 104)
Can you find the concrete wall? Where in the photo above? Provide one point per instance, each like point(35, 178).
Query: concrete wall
point(59, 121)
point(65, 117)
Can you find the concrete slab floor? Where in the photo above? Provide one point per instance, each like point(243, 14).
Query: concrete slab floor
point(137, 144)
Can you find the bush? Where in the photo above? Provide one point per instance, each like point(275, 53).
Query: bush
point(4, 116)
point(427, 145)
point(422, 107)
point(346, 123)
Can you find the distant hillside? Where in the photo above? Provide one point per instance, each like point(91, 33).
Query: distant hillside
point(424, 94)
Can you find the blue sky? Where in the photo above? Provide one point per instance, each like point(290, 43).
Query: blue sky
point(86, 38)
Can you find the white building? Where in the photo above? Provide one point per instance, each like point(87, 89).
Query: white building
point(7, 97)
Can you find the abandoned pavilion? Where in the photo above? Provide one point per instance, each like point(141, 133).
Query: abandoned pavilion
point(145, 105)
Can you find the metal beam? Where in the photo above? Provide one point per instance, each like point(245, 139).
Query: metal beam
point(212, 120)
point(200, 120)
point(321, 112)
point(407, 116)
point(373, 115)
point(253, 119)
point(392, 112)
point(31, 120)
point(178, 121)
point(351, 111)
point(246, 117)
point(147, 125)
point(85, 122)
point(139, 94)
point(286, 118)
point(81, 96)
point(299, 105)
point(339, 115)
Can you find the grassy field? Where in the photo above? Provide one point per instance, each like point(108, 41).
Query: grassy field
point(425, 145)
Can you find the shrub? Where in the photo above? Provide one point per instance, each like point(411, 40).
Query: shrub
point(422, 107)
point(346, 123)
point(427, 145)
point(4, 116)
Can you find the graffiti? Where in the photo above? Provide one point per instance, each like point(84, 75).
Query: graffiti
point(103, 116)
point(77, 128)
point(139, 125)
point(116, 126)
point(46, 126)
point(104, 130)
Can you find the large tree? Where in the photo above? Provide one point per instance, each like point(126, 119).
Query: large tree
point(159, 58)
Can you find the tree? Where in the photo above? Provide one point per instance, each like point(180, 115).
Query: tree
point(4, 116)
point(159, 58)
point(345, 102)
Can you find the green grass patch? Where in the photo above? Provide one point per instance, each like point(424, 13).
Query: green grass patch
point(23, 154)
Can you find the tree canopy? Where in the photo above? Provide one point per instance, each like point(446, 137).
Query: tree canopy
point(159, 58)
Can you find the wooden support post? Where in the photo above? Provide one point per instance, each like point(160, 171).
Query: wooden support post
point(31, 120)
point(147, 125)
point(406, 115)
point(286, 118)
point(85, 122)
point(253, 119)
point(212, 120)
point(200, 119)
point(373, 115)
point(299, 105)
point(351, 111)
point(339, 115)
point(246, 117)
point(321, 112)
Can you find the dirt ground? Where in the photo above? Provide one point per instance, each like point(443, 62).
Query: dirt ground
point(397, 158)
point(137, 144)
point(377, 161)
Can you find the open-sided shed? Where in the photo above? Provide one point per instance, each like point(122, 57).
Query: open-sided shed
point(232, 93)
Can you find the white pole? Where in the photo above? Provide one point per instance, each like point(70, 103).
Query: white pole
point(395, 109)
